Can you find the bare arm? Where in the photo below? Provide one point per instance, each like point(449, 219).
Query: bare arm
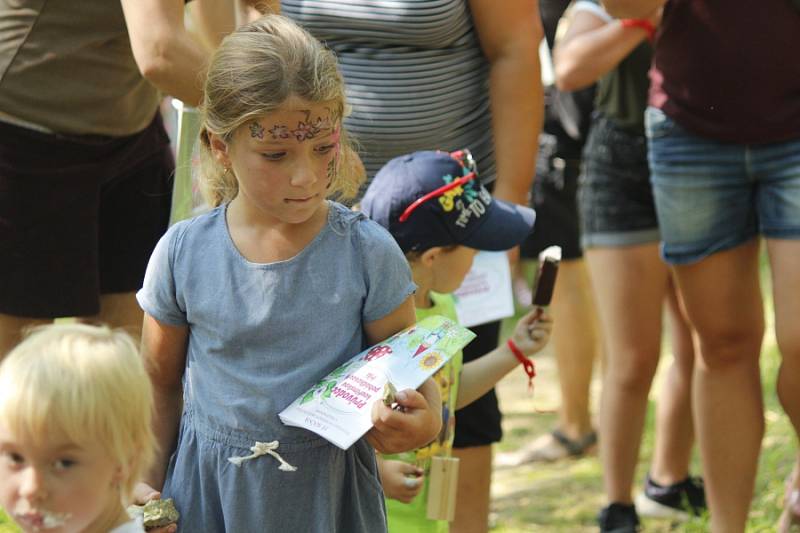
point(631, 8)
point(531, 334)
point(591, 48)
point(510, 37)
point(421, 417)
point(253, 9)
point(402, 317)
point(214, 19)
point(164, 352)
point(167, 56)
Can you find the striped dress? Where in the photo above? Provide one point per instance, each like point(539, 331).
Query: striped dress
point(416, 76)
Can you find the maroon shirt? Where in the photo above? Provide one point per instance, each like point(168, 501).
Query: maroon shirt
point(730, 69)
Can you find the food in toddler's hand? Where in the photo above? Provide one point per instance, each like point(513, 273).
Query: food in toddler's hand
point(546, 277)
point(389, 393)
point(155, 513)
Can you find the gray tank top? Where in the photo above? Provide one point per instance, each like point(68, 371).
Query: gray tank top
point(416, 76)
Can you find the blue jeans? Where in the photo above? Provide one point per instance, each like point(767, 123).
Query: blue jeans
point(712, 196)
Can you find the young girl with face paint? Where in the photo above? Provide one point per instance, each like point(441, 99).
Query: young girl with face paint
point(251, 303)
point(75, 430)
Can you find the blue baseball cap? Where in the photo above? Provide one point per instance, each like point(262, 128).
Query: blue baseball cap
point(428, 199)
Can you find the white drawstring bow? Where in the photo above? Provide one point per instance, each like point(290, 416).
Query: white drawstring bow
point(264, 448)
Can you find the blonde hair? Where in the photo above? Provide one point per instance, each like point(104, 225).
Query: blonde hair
point(87, 384)
point(255, 70)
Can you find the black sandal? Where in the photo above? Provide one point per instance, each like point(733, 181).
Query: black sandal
point(575, 447)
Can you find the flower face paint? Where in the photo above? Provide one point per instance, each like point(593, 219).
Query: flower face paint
point(307, 127)
point(284, 161)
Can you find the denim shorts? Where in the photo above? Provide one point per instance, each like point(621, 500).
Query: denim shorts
point(614, 195)
point(712, 196)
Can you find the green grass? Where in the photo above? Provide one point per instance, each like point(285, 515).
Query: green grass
point(565, 496)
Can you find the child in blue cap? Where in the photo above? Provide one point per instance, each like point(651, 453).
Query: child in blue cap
point(439, 213)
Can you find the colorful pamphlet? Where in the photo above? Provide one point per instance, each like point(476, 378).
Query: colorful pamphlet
point(339, 407)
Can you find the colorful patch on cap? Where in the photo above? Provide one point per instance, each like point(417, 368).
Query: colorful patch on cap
point(470, 200)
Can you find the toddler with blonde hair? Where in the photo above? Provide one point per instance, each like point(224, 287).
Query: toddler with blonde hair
point(75, 429)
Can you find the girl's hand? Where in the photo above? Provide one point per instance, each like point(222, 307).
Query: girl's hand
point(401, 481)
point(415, 423)
point(532, 332)
point(143, 493)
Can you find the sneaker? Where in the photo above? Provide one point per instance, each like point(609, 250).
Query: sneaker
point(678, 501)
point(618, 518)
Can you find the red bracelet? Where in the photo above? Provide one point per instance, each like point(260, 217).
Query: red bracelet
point(530, 369)
point(644, 24)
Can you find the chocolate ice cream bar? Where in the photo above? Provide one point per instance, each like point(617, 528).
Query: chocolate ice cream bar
point(546, 276)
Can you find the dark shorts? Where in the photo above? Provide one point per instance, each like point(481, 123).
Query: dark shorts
point(554, 199)
point(478, 424)
point(79, 216)
point(615, 198)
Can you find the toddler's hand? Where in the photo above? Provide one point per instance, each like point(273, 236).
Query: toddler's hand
point(143, 493)
point(415, 424)
point(401, 481)
point(533, 331)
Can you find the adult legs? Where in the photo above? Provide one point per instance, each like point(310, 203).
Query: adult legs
point(12, 328)
point(121, 310)
point(630, 315)
point(723, 302)
point(574, 342)
point(674, 434)
point(784, 258)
